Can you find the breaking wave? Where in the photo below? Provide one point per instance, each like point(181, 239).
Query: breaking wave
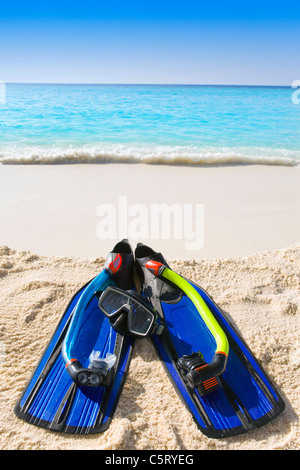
point(152, 155)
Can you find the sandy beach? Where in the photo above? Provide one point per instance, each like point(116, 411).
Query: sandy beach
point(261, 294)
point(54, 209)
point(249, 263)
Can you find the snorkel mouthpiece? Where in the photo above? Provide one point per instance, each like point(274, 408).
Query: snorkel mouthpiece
point(97, 373)
point(82, 376)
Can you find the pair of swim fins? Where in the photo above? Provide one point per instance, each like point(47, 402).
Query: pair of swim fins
point(77, 383)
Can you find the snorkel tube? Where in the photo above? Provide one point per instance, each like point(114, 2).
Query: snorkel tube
point(83, 376)
point(91, 376)
point(118, 268)
point(197, 375)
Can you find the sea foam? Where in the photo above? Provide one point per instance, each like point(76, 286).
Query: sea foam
point(155, 155)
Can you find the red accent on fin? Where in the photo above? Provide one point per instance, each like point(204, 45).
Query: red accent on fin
point(115, 264)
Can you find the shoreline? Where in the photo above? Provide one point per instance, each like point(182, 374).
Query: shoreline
point(52, 209)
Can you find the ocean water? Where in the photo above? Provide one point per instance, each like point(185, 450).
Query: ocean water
point(155, 124)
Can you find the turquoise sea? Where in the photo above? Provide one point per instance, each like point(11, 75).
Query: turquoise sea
point(41, 123)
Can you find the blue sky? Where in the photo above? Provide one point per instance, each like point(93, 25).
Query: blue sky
point(113, 41)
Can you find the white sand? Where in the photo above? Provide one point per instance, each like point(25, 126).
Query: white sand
point(261, 293)
point(52, 209)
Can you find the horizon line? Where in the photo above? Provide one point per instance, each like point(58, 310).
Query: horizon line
point(147, 84)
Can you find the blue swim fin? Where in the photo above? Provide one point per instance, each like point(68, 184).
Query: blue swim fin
point(227, 391)
point(77, 383)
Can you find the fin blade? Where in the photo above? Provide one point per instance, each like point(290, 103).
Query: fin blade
point(247, 399)
point(51, 399)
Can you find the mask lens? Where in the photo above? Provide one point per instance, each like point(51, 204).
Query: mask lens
point(111, 302)
point(140, 319)
point(128, 315)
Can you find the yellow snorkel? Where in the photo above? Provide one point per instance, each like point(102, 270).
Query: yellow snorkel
point(218, 365)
